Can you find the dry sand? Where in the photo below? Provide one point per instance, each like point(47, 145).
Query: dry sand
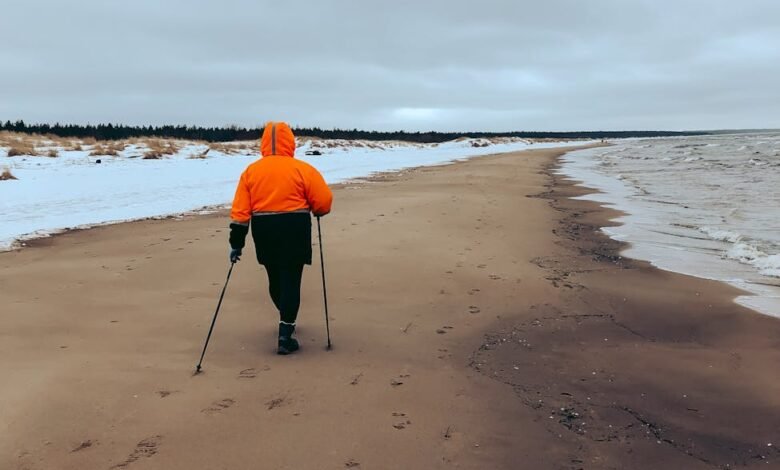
point(479, 321)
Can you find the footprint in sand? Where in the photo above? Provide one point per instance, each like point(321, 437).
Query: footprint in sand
point(351, 463)
point(219, 405)
point(494, 277)
point(84, 445)
point(399, 381)
point(144, 449)
point(401, 424)
point(473, 291)
point(277, 402)
point(356, 379)
point(165, 393)
point(247, 374)
point(474, 309)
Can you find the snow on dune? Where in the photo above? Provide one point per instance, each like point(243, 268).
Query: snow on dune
point(73, 190)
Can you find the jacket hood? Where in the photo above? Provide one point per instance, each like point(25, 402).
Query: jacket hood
point(278, 139)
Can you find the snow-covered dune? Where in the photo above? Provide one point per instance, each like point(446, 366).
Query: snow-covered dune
point(73, 190)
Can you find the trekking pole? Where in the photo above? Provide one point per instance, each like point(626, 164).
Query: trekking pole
point(214, 320)
point(324, 289)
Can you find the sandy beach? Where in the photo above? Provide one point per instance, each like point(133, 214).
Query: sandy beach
point(479, 321)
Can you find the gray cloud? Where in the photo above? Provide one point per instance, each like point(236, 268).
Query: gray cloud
point(443, 65)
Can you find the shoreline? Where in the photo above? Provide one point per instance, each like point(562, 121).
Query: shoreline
point(580, 188)
point(461, 295)
point(706, 260)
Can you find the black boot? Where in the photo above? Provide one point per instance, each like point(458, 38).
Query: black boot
point(287, 344)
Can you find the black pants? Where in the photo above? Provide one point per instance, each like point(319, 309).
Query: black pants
point(284, 285)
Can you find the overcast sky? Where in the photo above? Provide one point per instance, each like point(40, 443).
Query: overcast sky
point(441, 65)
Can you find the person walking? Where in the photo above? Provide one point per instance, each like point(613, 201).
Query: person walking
point(276, 196)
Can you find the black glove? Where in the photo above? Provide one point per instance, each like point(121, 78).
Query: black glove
point(235, 255)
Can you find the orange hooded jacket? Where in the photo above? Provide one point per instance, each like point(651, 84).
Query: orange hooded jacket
point(279, 183)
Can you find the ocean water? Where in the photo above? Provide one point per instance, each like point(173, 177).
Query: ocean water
point(707, 206)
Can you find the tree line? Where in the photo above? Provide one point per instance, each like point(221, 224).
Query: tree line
point(231, 133)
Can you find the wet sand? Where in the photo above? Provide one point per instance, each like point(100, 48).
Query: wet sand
point(479, 320)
